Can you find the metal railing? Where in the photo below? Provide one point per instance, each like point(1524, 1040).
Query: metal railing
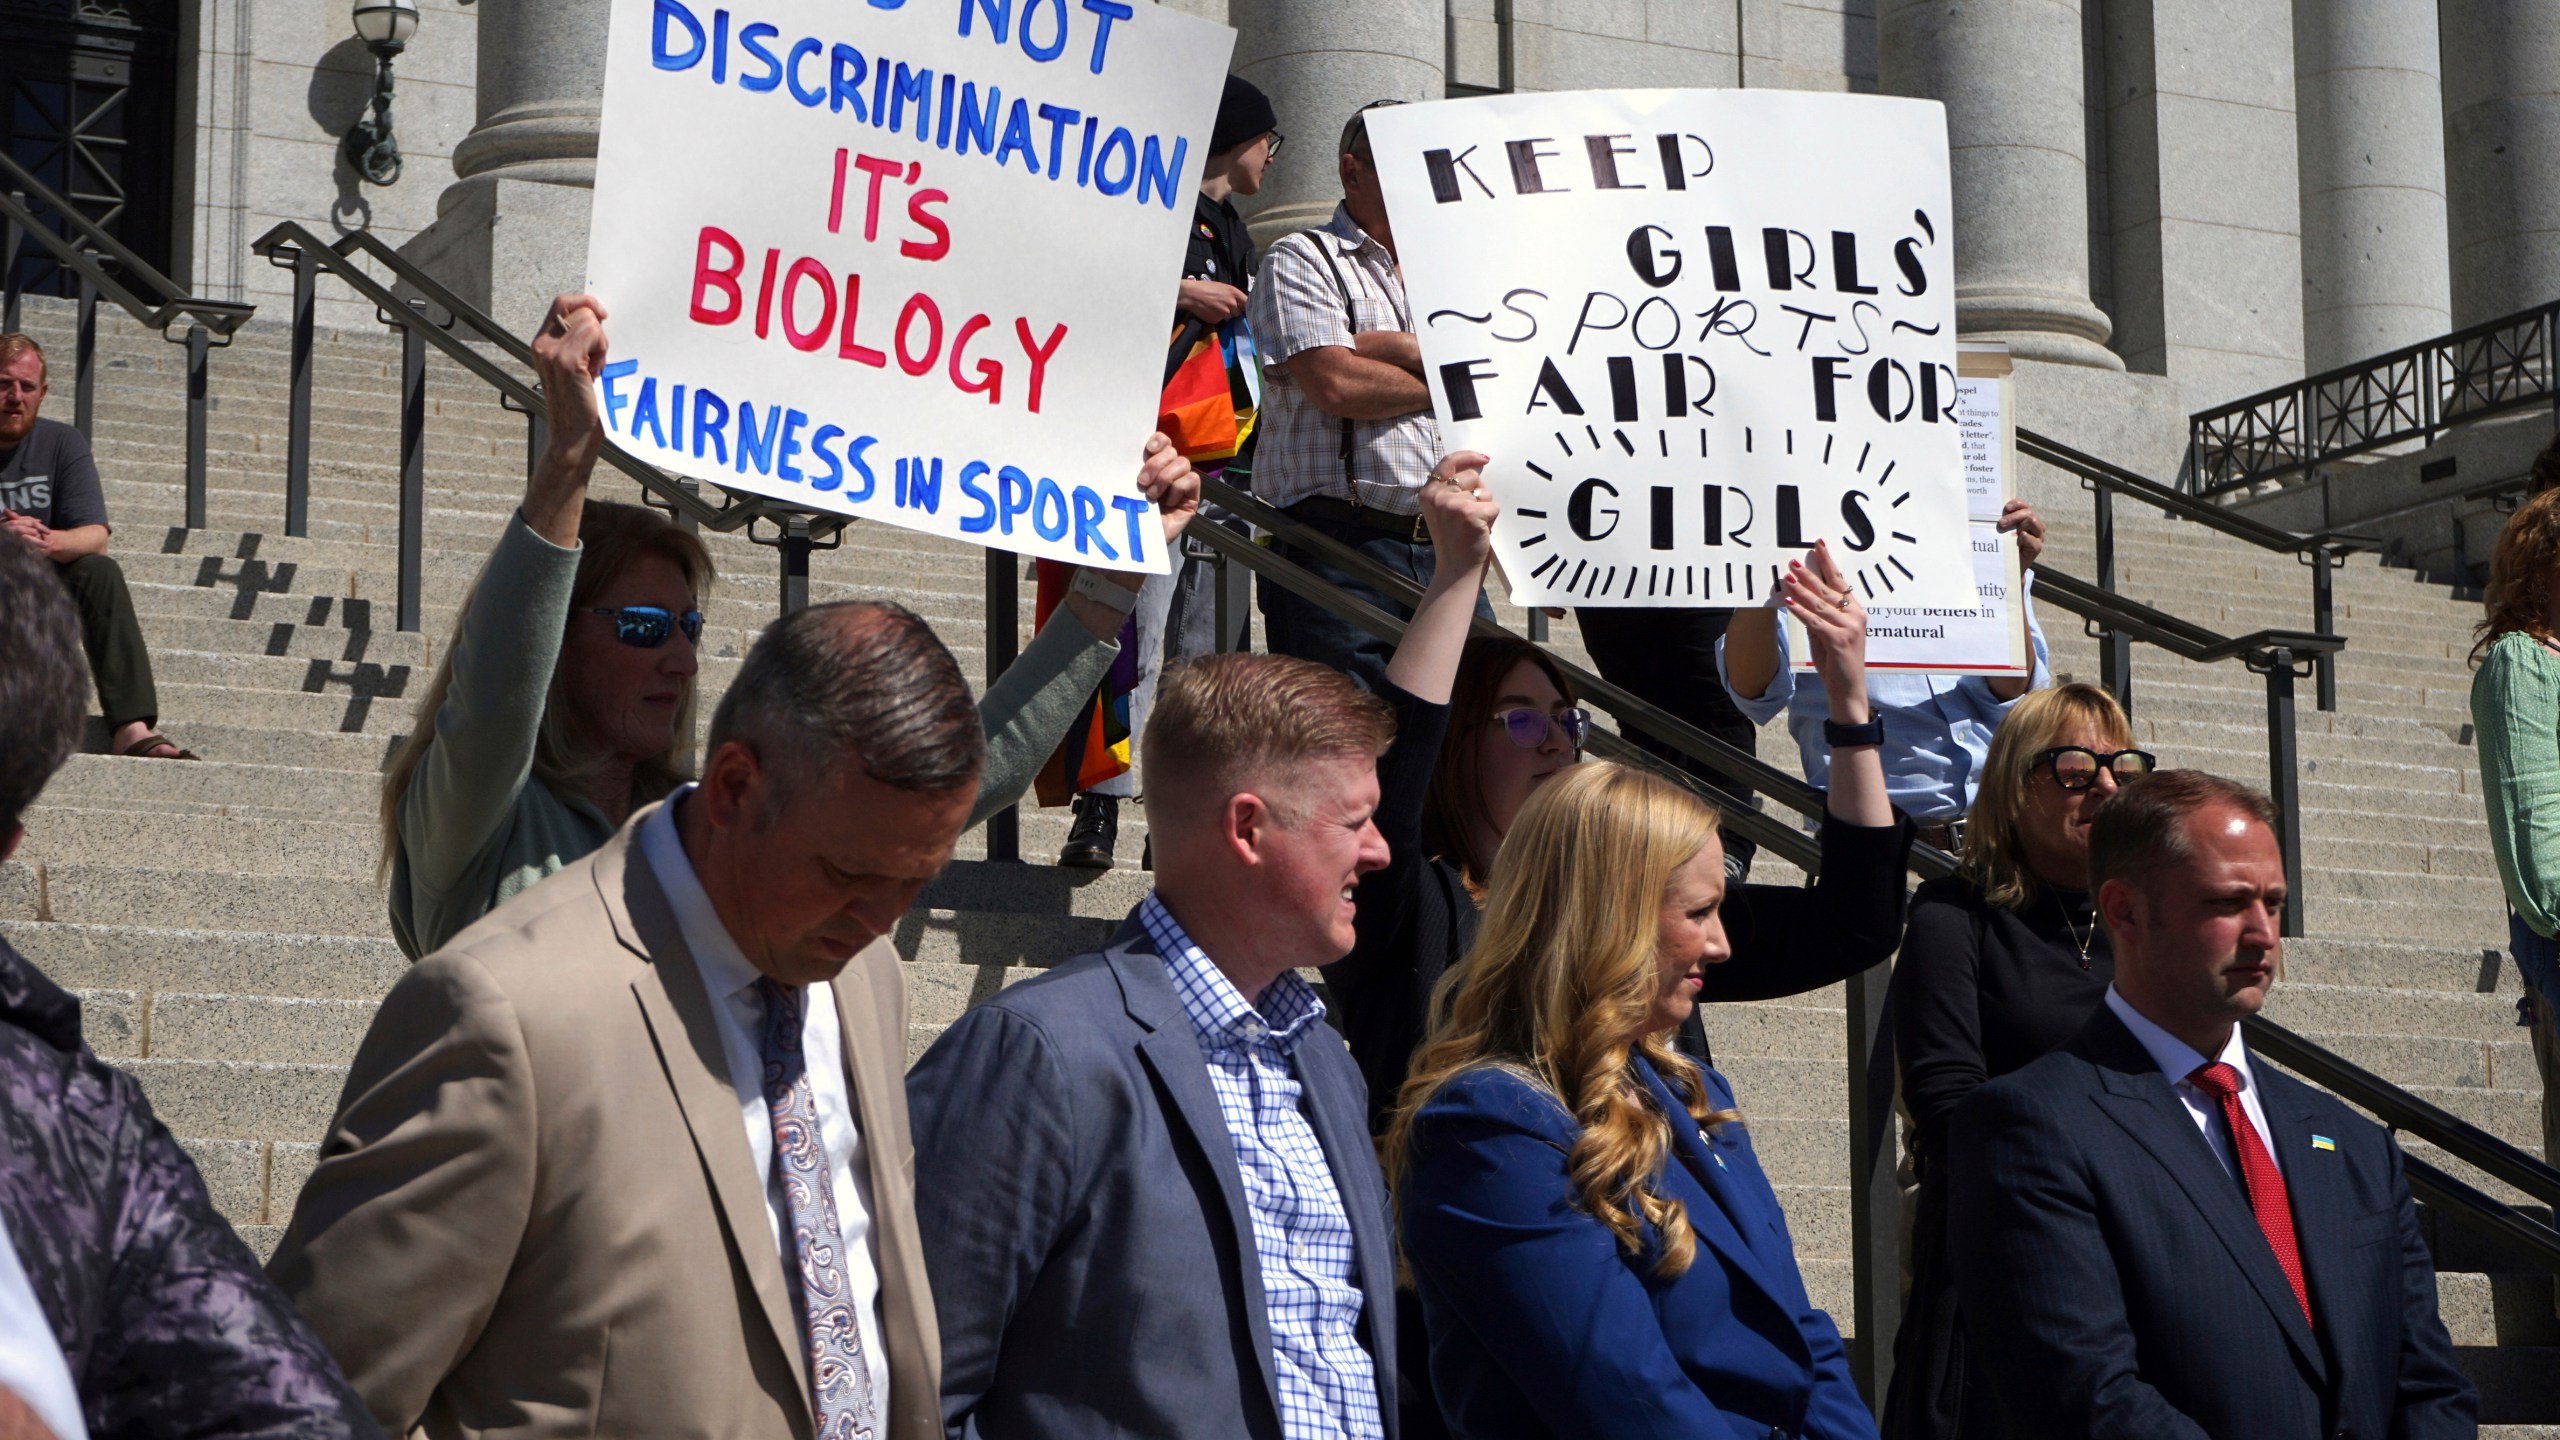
point(2499, 1223)
point(2412, 393)
point(78, 245)
point(465, 335)
point(2321, 551)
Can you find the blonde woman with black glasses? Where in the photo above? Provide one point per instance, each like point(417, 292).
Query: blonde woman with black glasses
point(2001, 962)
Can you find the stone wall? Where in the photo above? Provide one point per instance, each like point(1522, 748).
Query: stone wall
point(272, 86)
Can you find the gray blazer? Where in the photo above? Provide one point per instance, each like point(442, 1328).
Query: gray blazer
point(1084, 1220)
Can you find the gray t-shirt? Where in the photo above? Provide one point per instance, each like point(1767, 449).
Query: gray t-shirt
point(51, 477)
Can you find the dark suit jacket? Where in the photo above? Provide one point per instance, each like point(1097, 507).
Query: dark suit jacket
point(2115, 1282)
point(1084, 1218)
point(1542, 1326)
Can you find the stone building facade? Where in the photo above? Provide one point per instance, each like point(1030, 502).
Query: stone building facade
point(2162, 204)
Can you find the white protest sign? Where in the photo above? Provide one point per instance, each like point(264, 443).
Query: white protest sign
point(1697, 331)
point(1988, 637)
point(910, 262)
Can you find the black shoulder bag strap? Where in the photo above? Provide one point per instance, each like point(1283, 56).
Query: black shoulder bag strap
point(1324, 251)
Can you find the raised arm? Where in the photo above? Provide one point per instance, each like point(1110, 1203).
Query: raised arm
point(1459, 512)
point(1041, 693)
point(508, 644)
point(1835, 625)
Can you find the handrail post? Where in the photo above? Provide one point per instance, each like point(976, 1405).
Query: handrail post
point(199, 345)
point(1875, 1193)
point(11, 238)
point(1537, 625)
point(1004, 638)
point(2284, 780)
point(2115, 648)
point(84, 361)
point(413, 472)
point(297, 442)
point(794, 547)
point(2324, 613)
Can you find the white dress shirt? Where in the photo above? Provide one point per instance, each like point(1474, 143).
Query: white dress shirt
point(738, 1008)
point(2178, 1060)
point(31, 1363)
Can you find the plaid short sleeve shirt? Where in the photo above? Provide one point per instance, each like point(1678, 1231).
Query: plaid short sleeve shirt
point(1295, 306)
point(1301, 1234)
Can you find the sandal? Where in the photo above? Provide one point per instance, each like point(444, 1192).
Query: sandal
point(141, 749)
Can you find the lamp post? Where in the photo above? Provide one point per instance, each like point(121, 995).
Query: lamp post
point(385, 27)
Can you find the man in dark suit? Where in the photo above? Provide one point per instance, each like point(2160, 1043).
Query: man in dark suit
point(2156, 1238)
point(1150, 1206)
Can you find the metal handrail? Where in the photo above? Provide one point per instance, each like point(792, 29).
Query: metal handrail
point(210, 323)
point(2412, 393)
point(222, 317)
point(291, 246)
point(2321, 550)
point(2400, 1110)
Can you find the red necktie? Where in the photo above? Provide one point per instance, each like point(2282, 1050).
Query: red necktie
point(2257, 1171)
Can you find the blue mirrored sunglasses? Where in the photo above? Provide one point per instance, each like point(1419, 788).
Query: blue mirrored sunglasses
point(648, 626)
point(1528, 728)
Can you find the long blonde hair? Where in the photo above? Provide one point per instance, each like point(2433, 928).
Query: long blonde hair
point(1995, 858)
point(1564, 975)
point(2521, 565)
point(611, 538)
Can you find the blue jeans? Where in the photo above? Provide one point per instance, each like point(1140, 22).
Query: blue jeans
point(1300, 627)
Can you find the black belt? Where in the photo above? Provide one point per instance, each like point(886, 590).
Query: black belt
point(1946, 835)
point(1343, 512)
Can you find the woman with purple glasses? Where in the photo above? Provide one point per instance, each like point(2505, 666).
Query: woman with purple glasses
point(556, 709)
point(1480, 723)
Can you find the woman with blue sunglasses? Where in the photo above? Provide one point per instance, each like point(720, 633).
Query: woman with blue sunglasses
point(1481, 724)
point(556, 710)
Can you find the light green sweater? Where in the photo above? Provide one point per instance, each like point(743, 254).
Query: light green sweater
point(476, 828)
point(2515, 710)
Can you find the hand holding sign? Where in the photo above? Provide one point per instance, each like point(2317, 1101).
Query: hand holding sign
point(1459, 512)
point(1835, 624)
point(568, 354)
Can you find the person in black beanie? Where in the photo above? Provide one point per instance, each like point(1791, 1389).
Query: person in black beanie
point(1177, 614)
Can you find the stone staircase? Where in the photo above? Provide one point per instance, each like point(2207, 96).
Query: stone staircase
point(224, 926)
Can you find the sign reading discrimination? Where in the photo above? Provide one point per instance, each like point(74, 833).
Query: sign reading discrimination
point(1697, 331)
point(907, 261)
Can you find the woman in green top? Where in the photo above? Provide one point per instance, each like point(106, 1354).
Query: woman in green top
point(2515, 710)
point(553, 715)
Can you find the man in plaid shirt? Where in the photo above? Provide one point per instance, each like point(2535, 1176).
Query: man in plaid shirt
point(1346, 434)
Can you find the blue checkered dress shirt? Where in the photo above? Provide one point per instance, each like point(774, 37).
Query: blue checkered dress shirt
point(1301, 1234)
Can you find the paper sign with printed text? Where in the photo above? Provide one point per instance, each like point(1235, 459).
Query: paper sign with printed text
point(1697, 331)
point(913, 262)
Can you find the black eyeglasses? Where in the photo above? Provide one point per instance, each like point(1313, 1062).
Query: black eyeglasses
point(648, 626)
point(1529, 728)
point(2076, 767)
point(1275, 137)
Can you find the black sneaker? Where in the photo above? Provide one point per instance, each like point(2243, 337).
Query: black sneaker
point(1095, 831)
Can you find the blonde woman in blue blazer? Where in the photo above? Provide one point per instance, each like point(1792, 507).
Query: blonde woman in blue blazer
point(1596, 1247)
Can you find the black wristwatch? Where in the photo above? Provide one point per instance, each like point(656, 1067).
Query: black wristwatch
point(1836, 735)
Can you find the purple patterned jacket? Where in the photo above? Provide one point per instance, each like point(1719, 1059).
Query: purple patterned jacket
point(170, 1326)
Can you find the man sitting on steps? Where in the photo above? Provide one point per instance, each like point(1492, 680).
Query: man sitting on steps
point(49, 498)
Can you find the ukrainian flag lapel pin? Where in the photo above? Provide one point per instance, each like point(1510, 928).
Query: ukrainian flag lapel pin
point(2323, 1142)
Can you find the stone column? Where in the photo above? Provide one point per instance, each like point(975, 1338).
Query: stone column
point(541, 95)
point(1320, 60)
point(2502, 154)
point(511, 231)
point(2369, 122)
point(2009, 73)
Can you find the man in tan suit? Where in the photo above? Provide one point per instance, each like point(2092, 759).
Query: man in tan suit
point(629, 1157)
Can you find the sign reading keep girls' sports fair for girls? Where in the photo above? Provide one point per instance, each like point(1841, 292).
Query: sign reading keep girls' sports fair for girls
point(1696, 330)
point(910, 260)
